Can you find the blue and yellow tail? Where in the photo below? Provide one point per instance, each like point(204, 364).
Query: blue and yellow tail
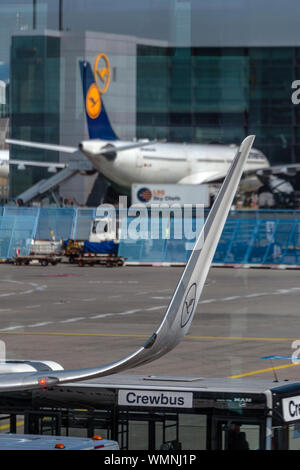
point(97, 120)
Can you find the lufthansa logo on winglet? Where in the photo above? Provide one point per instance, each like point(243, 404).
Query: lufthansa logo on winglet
point(188, 305)
point(98, 87)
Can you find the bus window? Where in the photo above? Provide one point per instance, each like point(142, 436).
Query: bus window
point(192, 431)
point(286, 437)
point(237, 435)
point(184, 432)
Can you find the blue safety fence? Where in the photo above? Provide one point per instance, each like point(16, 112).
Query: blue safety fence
point(247, 241)
point(82, 224)
point(55, 223)
point(159, 240)
point(252, 237)
point(16, 235)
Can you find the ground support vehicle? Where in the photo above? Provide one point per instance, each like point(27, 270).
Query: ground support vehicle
point(102, 259)
point(43, 260)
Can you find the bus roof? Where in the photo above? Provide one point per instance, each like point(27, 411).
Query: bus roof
point(243, 385)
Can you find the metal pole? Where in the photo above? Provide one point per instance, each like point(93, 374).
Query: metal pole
point(60, 26)
point(34, 14)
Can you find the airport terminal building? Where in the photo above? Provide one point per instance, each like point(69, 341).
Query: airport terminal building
point(216, 88)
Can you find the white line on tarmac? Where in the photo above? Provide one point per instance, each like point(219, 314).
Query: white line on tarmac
point(12, 328)
point(35, 325)
point(102, 315)
point(71, 320)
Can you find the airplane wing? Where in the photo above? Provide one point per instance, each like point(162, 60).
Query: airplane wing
point(106, 149)
point(52, 166)
point(179, 314)
point(288, 170)
point(203, 177)
point(40, 145)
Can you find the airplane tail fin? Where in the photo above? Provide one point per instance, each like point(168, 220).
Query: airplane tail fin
point(97, 120)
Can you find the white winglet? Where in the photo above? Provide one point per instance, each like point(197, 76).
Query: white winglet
point(180, 312)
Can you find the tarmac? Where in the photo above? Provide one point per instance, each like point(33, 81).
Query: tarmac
point(246, 323)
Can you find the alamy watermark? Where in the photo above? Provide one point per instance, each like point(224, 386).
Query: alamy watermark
point(153, 222)
point(296, 353)
point(296, 94)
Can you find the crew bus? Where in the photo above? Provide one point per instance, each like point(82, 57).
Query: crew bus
point(158, 413)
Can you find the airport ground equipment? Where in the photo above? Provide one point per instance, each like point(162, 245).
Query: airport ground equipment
point(43, 260)
point(86, 252)
point(43, 252)
point(144, 412)
point(108, 260)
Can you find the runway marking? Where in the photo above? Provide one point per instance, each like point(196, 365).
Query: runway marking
point(93, 317)
point(71, 320)
point(125, 335)
point(240, 338)
point(129, 312)
point(250, 296)
point(49, 333)
point(160, 298)
point(102, 315)
point(7, 426)
point(261, 371)
point(36, 287)
point(35, 325)
point(145, 335)
point(12, 328)
point(113, 282)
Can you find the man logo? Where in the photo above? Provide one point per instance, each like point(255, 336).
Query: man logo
point(144, 194)
point(188, 305)
point(93, 102)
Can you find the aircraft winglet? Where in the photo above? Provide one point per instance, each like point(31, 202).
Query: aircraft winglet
point(180, 312)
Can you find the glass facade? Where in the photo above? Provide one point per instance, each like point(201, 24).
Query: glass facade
point(203, 73)
point(220, 95)
point(34, 109)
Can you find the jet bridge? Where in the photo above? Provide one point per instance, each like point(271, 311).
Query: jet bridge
point(48, 185)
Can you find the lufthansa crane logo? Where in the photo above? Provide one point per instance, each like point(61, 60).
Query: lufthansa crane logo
point(102, 73)
point(93, 101)
point(188, 305)
point(98, 87)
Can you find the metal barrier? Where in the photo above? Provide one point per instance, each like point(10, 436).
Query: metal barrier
point(243, 241)
point(259, 242)
point(16, 235)
point(253, 237)
point(82, 224)
point(55, 223)
point(161, 240)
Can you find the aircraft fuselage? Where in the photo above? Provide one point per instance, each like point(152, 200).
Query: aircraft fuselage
point(166, 163)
